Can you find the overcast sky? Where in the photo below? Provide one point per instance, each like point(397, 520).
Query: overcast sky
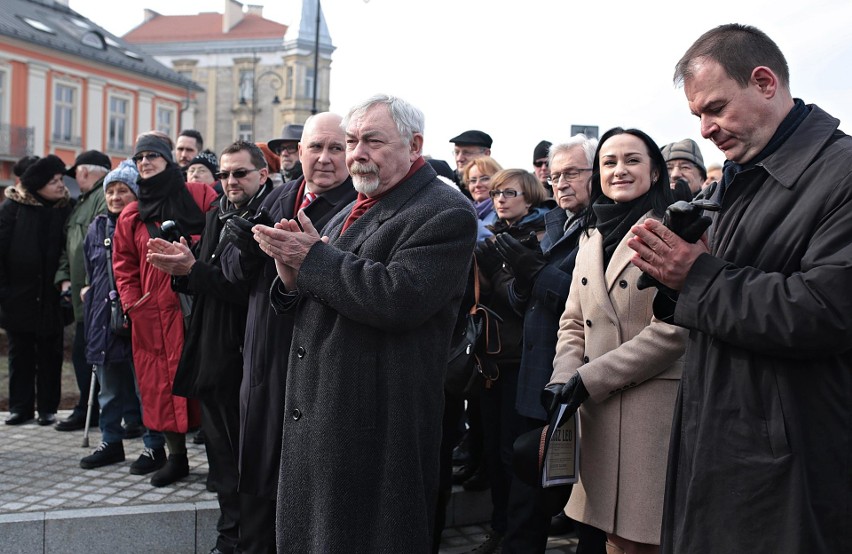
point(527, 70)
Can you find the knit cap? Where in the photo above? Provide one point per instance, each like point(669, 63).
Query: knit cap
point(125, 173)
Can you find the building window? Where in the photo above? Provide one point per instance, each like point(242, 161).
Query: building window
point(4, 95)
point(244, 132)
point(65, 114)
point(309, 82)
point(166, 120)
point(246, 85)
point(119, 124)
point(290, 83)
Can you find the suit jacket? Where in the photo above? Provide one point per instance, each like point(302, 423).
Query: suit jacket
point(267, 342)
point(364, 399)
point(630, 363)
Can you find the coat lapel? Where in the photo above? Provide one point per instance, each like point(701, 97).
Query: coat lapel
point(620, 258)
point(596, 280)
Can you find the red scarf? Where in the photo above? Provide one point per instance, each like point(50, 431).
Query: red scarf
point(364, 203)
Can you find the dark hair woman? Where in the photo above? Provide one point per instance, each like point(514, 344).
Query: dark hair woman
point(613, 352)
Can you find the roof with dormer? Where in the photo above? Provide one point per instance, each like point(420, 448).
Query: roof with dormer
point(203, 27)
point(50, 24)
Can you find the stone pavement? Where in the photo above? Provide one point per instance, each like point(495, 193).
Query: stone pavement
point(49, 504)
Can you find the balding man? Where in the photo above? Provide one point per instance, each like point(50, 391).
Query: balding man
point(374, 304)
point(323, 190)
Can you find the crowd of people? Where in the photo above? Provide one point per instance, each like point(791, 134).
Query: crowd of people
point(297, 299)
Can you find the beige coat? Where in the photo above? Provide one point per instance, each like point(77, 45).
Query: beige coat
point(630, 362)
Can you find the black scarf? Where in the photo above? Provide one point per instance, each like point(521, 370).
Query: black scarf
point(227, 209)
point(165, 196)
point(790, 123)
point(614, 220)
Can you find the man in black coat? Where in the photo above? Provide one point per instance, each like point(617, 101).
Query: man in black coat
point(267, 338)
point(761, 448)
point(374, 303)
point(210, 367)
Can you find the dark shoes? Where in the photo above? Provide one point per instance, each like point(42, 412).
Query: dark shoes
point(104, 455)
point(478, 482)
point(463, 473)
point(75, 423)
point(176, 468)
point(16, 418)
point(133, 430)
point(560, 525)
point(46, 419)
point(493, 544)
point(150, 460)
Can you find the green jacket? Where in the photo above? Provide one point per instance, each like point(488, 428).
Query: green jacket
point(71, 265)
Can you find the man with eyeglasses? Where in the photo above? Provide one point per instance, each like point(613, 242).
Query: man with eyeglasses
point(540, 163)
point(287, 148)
point(211, 362)
point(469, 146)
point(685, 163)
point(323, 191)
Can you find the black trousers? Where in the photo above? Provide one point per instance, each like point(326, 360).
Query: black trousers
point(35, 372)
point(83, 374)
point(257, 528)
point(221, 423)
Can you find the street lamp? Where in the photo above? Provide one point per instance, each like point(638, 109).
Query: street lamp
point(316, 60)
point(275, 83)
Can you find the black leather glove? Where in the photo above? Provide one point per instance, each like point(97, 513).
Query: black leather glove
point(237, 231)
point(688, 221)
point(487, 257)
point(573, 393)
point(524, 258)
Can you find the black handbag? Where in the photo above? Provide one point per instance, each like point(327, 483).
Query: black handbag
point(475, 338)
point(119, 321)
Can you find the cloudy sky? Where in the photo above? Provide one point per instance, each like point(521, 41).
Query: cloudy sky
point(527, 70)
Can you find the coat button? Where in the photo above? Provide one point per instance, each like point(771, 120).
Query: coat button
point(584, 280)
point(585, 359)
point(300, 352)
point(296, 414)
point(622, 284)
point(588, 323)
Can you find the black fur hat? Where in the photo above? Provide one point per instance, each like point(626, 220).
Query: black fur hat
point(23, 164)
point(41, 172)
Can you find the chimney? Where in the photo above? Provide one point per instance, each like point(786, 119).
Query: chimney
point(233, 15)
point(254, 9)
point(150, 14)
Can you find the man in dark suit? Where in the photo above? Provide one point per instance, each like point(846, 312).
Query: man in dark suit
point(375, 303)
point(327, 184)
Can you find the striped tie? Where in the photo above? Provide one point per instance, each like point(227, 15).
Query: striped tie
point(306, 201)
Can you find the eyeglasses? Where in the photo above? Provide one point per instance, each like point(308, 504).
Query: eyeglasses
point(682, 166)
point(485, 179)
point(150, 156)
point(237, 173)
point(569, 174)
point(540, 163)
point(291, 148)
point(508, 193)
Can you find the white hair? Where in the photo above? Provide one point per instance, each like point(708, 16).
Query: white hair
point(587, 145)
point(93, 168)
point(409, 120)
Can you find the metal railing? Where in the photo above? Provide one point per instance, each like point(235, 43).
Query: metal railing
point(16, 141)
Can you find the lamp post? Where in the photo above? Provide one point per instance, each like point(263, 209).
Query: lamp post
point(316, 60)
point(275, 83)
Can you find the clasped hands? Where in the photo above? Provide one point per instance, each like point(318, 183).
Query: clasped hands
point(288, 243)
point(662, 254)
point(174, 258)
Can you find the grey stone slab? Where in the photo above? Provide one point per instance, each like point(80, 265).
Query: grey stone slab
point(22, 533)
point(151, 529)
point(206, 516)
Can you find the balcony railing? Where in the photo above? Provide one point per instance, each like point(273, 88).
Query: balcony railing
point(16, 141)
point(67, 140)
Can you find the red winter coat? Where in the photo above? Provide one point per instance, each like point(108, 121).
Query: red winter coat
point(157, 321)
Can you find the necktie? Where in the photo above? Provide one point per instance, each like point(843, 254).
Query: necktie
point(306, 201)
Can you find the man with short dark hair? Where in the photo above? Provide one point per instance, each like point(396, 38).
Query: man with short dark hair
point(374, 303)
point(761, 448)
point(210, 367)
point(466, 147)
point(189, 144)
point(323, 191)
point(89, 170)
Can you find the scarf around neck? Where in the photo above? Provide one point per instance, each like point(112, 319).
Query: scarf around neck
point(165, 196)
point(616, 219)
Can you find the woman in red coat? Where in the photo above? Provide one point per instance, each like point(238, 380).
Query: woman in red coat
point(146, 292)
